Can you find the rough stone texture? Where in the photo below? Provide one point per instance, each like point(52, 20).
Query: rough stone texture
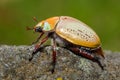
point(15, 65)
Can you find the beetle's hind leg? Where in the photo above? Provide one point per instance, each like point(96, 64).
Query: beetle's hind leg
point(86, 55)
point(97, 60)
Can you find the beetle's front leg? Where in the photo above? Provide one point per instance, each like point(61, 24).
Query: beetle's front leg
point(38, 47)
point(38, 38)
point(53, 55)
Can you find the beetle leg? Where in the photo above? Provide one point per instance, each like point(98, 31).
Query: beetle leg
point(53, 55)
point(99, 52)
point(38, 47)
point(38, 38)
point(87, 55)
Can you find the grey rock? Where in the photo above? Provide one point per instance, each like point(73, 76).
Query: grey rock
point(15, 65)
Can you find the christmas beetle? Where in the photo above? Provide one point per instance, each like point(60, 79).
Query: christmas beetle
point(69, 33)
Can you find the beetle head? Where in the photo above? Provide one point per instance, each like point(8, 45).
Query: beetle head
point(46, 25)
point(38, 27)
point(42, 26)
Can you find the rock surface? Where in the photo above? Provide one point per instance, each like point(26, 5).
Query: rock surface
point(15, 65)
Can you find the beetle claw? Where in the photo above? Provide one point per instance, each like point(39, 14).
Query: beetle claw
point(52, 71)
point(34, 52)
point(53, 65)
point(97, 60)
point(30, 59)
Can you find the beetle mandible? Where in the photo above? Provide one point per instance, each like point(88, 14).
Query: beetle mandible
point(69, 33)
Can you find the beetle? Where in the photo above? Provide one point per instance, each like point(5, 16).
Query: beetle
point(71, 34)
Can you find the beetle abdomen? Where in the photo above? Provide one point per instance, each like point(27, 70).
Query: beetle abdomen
point(77, 32)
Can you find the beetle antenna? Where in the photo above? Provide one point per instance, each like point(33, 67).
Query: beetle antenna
point(28, 28)
point(35, 19)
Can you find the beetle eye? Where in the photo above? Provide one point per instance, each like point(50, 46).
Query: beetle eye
point(38, 29)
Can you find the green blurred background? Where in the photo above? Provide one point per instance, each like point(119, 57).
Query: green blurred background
point(102, 15)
